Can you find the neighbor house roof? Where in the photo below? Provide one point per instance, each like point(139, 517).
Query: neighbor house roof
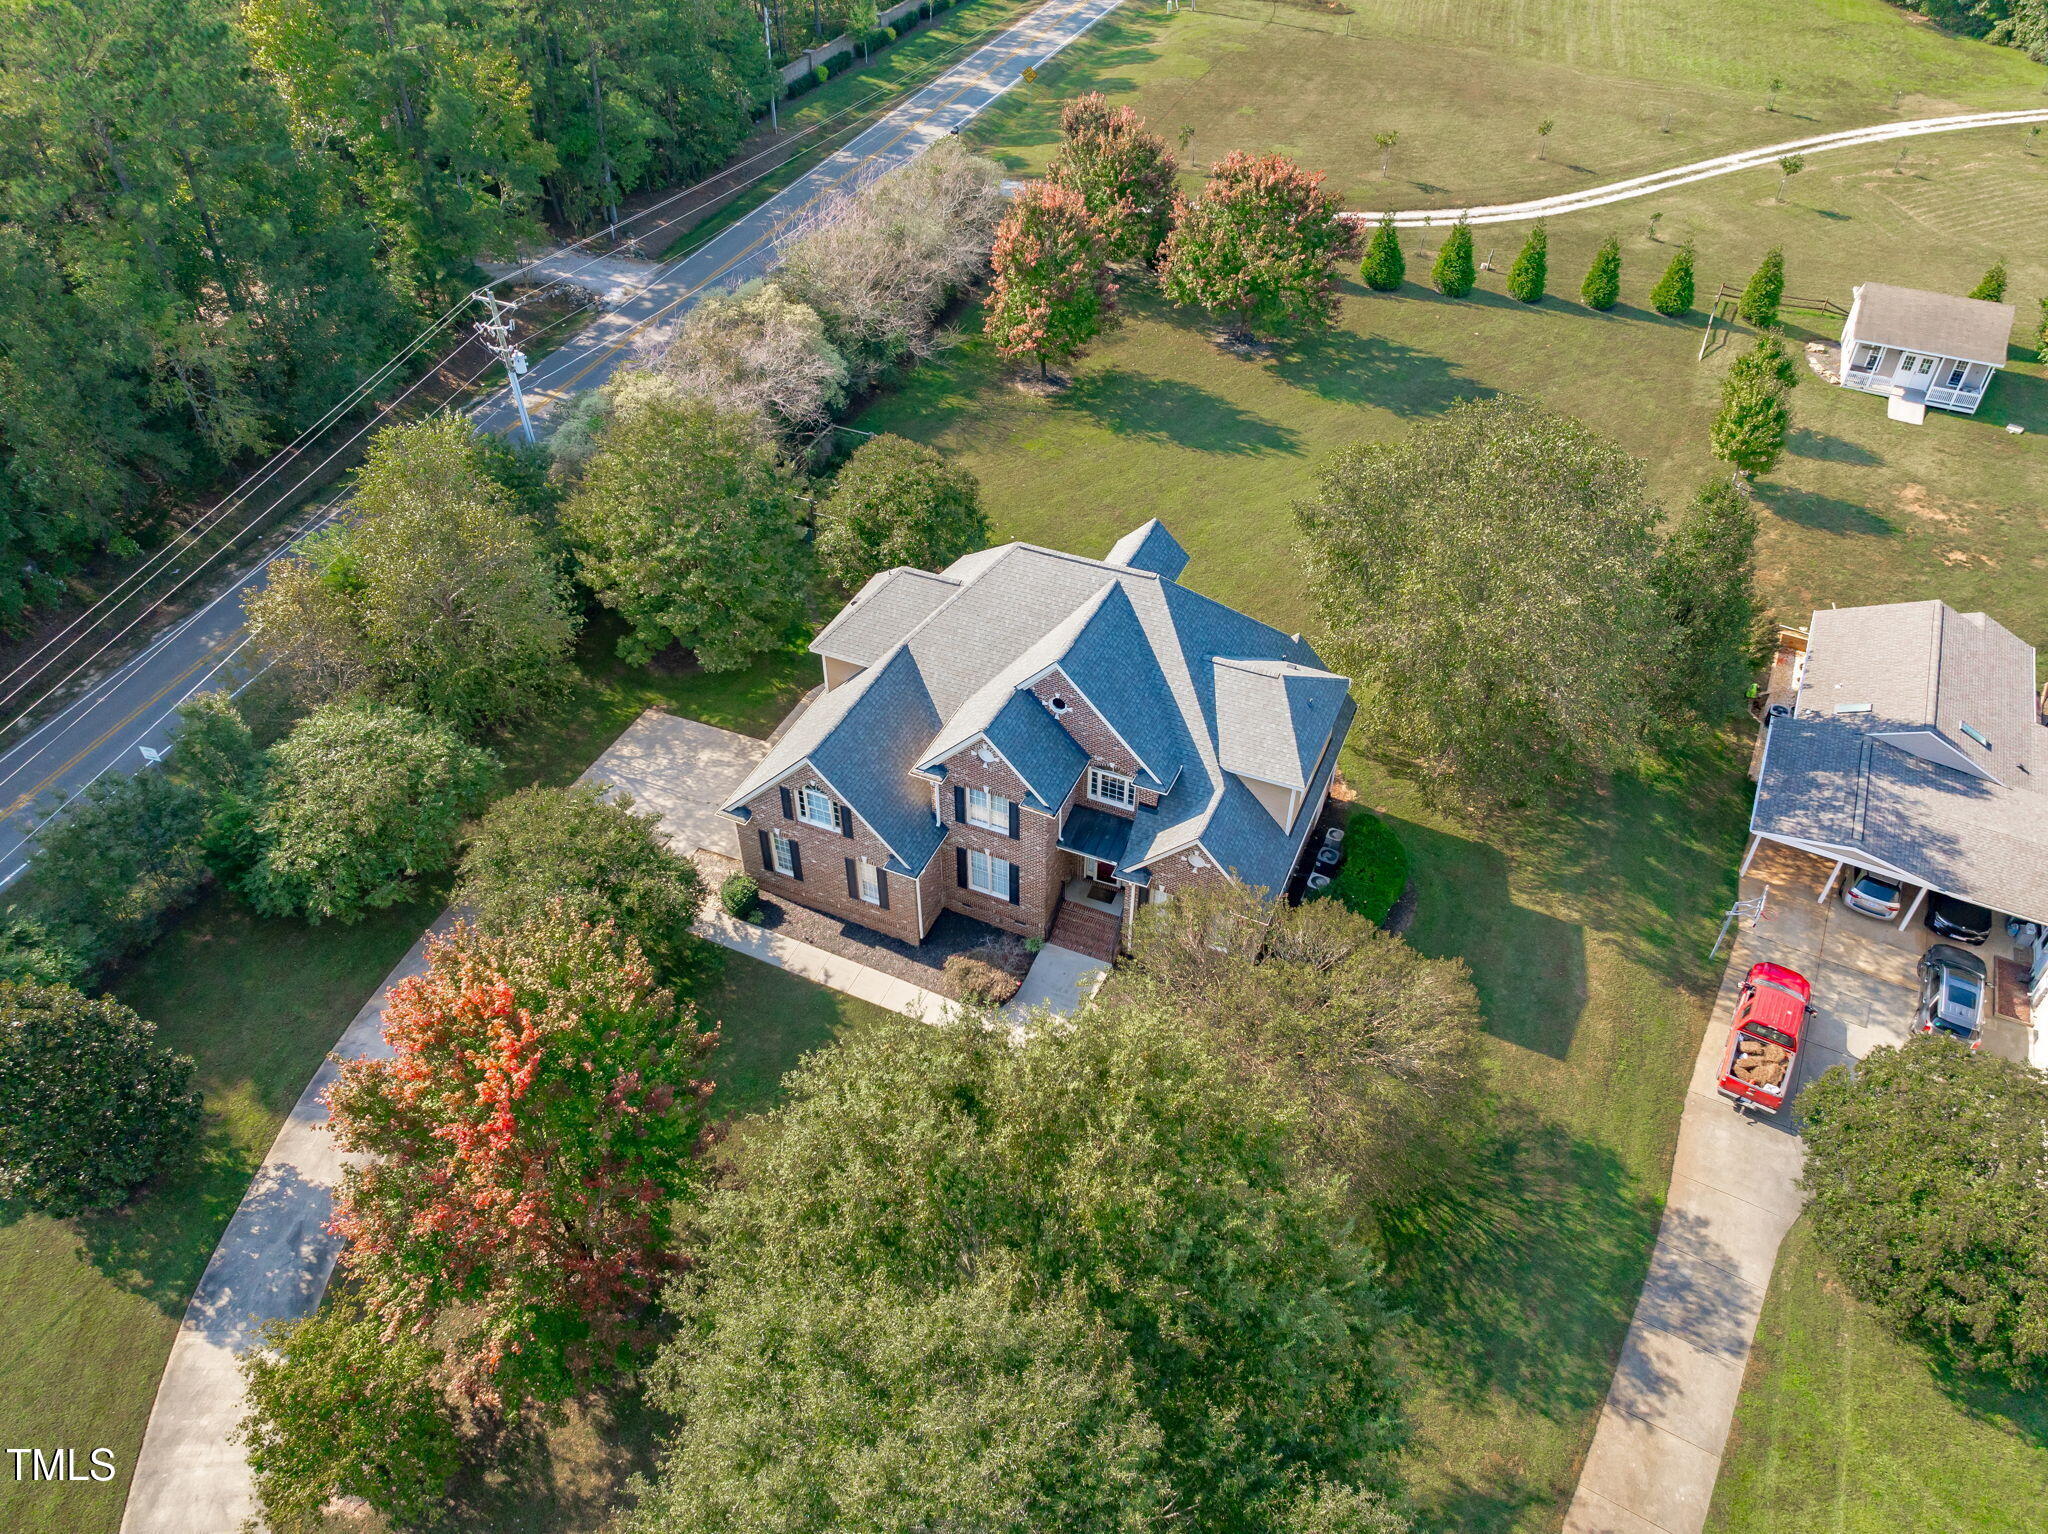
point(962, 649)
point(1968, 328)
point(1915, 745)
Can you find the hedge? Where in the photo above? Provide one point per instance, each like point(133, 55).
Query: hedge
point(1375, 868)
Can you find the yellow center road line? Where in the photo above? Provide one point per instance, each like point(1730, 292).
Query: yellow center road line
point(28, 796)
point(982, 78)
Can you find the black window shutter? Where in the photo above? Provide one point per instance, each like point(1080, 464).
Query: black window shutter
point(1014, 882)
point(796, 861)
point(960, 865)
point(845, 818)
point(852, 880)
point(788, 809)
point(1015, 819)
point(882, 888)
point(959, 804)
point(767, 855)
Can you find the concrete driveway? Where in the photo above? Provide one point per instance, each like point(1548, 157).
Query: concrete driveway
point(1734, 1193)
point(682, 770)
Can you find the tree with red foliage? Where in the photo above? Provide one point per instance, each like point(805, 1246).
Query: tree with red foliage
point(533, 1129)
point(1053, 293)
point(1122, 171)
point(1260, 243)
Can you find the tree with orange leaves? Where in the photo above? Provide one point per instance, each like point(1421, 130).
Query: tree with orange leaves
point(533, 1129)
point(1124, 173)
point(1053, 293)
point(1259, 244)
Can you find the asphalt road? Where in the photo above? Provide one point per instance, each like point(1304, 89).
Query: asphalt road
point(129, 713)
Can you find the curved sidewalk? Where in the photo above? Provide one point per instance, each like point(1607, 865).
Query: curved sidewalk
point(1703, 170)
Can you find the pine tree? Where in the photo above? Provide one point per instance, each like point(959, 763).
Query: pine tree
point(1768, 363)
point(1672, 295)
point(1750, 431)
point(1454, 272)
point(1602, 287)
point(1764, 292)
point(1384, 267)
point(1531, 270)
point(1053, 293)
point(2041, 335)
point(1705, 572)
point(1991, 286)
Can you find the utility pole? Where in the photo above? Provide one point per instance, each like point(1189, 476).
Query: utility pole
point(768, 42)
point(497, 335)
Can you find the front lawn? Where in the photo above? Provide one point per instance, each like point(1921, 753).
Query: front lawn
point(1844, 1427)
point(93, 1304)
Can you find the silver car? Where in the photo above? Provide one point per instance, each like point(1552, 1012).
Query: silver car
point(1873, 896)
point(1953, 988)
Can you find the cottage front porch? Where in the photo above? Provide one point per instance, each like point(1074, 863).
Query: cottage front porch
point(1914, 381)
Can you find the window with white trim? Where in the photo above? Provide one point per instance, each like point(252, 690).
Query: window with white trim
point(870, 882)
point(814, 807)
point(985, 808)
point(990, 875)
point(782, 852)
point(1106, 787)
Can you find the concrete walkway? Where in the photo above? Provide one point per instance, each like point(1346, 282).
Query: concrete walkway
point(1059, 980)
point(1734, 1193)
point(1704, 170)
point(272, 1264)
point(831, 970)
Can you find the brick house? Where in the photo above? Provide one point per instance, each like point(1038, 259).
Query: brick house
point(1045, 743)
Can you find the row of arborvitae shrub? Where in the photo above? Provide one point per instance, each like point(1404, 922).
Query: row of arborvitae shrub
point(1455, 272)
point(867, 43)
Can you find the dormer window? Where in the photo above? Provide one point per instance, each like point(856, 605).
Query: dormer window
point(1106, 787)
point(814, 807)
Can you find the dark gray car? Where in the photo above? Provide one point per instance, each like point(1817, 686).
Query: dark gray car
point(1954, 986)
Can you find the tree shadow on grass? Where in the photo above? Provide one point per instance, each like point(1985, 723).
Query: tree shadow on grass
point(1168, 410)
point(561, 1471)
point(1517, 1282)
point(1529, 967)
point(1804, 442)
point(1372, 370)
point(1824, 513)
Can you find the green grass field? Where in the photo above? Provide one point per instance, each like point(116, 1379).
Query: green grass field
point(1843, 1428)
point(93, 1304)
point(1587, 936)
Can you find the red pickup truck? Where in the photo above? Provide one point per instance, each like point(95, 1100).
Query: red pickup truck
point(1763, 1044)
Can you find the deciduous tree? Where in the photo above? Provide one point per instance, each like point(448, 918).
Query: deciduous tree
point(1928, 1176)
point(1673, 294)
point(1122, 172)
point(1531, 271)
point(1602, 287)
point(592, 854)
point(1486, 579)
point(435, 593)
point(1092, 1226)
point(1384, 267)
point(1258, 244)
point(897, 502)
point(340, 1407)
point(91, 1105)
point(1454, 271)
point(1053, 292)
point(359, 801)
point(533, 1130)
point(759, 350)
point(688, 527)
point(1706, 575)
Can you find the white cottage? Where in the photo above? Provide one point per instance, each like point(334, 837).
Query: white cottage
point(1923, 349)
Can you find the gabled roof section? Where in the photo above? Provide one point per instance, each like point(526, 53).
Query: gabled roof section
point(1970, 328)
point(1114, 663)
point(1273, 718)
point(1150, 547)
point(860, 738)
point(886, 609)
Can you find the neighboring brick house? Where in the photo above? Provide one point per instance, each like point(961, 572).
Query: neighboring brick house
point(1042, 742)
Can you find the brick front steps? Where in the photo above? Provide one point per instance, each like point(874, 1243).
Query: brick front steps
point(1086, 930)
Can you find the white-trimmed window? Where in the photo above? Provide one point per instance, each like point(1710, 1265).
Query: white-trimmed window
point(814, 807)
point(1106, 787)
point(988, 809)
point(782, 853)
point(990, 875)
point(870, 882)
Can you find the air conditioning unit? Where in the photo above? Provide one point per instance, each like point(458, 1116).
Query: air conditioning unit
point(1329, 857)
point(1318, 882)
point(1334, 835)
